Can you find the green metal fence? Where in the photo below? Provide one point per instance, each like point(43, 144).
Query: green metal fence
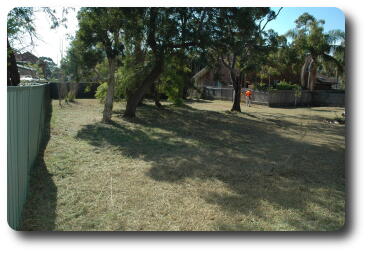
point(29, 111)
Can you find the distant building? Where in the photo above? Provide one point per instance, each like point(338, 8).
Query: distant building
point(324, 82)
point(26, 57)
point(24, 60)
point(26, 71)
point(217, 76)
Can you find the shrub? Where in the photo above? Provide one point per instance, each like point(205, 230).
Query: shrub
point(87, 89)
point(261, 87)
point(101, 92)
point(283, 85)
point(172, 93)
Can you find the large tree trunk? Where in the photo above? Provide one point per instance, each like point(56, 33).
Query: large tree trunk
point(156, 95)
point(63, 90)
point(73, 91)
point(303, 72)
point(237, 92)
point(181, 93)
point(236, 103)
point(13, 78)
point(109, 100)
point(185, 92)
point(134, 98)
point(269, 80)
point(312, 76)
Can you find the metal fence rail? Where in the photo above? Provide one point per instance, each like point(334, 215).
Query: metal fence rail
point(29, 110)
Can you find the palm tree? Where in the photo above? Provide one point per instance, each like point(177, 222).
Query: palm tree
point(317, 47)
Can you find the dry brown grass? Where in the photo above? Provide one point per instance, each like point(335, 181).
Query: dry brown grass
point(197, 167)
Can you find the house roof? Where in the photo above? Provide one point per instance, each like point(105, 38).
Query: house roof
point(26, 57)
point(201, 73)
point(217, 72)
point(25, 67)
point(323, 79)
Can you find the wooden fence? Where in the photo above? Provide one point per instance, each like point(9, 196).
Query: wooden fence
point(28, 119)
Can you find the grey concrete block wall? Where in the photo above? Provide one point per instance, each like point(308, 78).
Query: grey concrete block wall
point(284, 98)
point(260, 97)
point(328, 98)
point(281, 98)
point(305, 99)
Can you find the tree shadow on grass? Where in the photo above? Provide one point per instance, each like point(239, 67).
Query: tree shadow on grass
point(191, 101)
point(313, 123)
point(39, 211)
point(260, 167)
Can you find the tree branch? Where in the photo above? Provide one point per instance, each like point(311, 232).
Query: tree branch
point(233, 61)
point(270, 19)
point(223, 61)
point(151, 30)
point(180, 45)
point(201, 21)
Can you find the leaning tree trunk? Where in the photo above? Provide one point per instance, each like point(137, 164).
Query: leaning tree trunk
point(13, 78)
point(308, 75)
point(134, 98)
point(305, 72)
point(107, 112)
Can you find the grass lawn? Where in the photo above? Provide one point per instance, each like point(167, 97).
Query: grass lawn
point(196, 167)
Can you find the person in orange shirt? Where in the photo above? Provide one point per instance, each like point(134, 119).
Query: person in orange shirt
point(248, 97)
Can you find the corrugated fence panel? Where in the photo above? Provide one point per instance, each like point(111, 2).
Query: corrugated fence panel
point(35, 112)
point(22, 145)
point(11, 157)
point(26, 116)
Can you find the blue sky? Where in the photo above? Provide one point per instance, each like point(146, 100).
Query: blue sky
point(57, 46)
point(333, 17)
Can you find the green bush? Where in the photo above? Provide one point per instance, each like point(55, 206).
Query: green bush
point(176, 78)
point(172, 93)
point(101, 92)
point(283, 85)
point(261, 87)
point(87, 89)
